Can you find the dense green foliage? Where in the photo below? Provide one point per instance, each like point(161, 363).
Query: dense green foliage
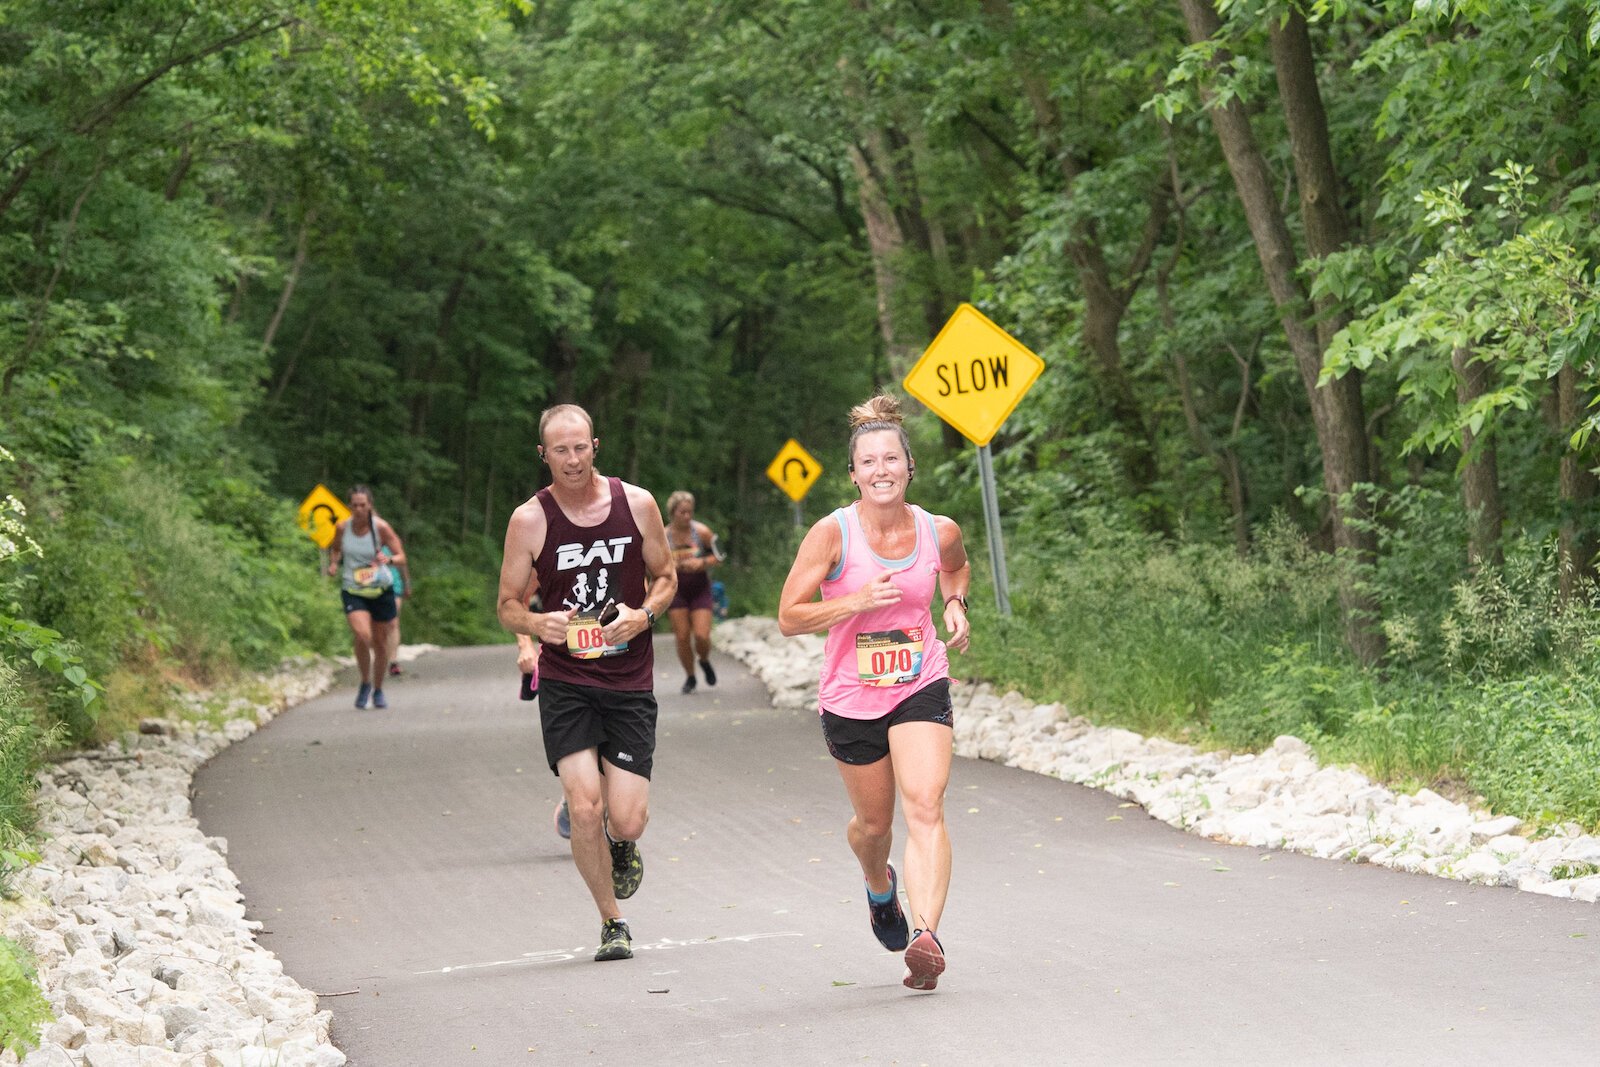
point(1305, 277)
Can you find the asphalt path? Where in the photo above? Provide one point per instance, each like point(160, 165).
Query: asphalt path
point(406, 869)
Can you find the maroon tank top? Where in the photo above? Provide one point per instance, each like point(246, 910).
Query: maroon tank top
point(582, 567)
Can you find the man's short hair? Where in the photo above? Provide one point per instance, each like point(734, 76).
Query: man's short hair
point(559, 411)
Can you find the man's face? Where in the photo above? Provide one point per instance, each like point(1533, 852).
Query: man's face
point(568, 450)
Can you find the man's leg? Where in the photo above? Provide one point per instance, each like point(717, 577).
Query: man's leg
point(627, 803)
point(585, 792)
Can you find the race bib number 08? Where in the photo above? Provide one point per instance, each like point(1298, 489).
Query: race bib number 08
point(586, 640)
point(889, 657)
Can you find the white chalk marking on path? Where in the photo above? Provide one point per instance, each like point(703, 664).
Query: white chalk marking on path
point(561, 955)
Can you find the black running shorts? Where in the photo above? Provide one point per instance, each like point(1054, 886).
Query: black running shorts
point(621, 724)
point(382, 608)
point(863, 741)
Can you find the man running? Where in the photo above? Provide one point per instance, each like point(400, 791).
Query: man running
point(595, 550)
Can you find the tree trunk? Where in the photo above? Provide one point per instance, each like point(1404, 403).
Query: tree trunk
point(1321, 208)
point(242, 282)
point(1336, 407)
point(1480, 472)
point(1105, 300)
point(886, 241)
point(291, 279)
point(1578, 543)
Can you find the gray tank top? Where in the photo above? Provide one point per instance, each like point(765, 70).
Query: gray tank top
point(358, 553)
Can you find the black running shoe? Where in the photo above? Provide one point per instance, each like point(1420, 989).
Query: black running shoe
point(711, 675)
point(627, 868)
point(888, 921)
point(924, 961)
point(616, 943)
point(688, 685)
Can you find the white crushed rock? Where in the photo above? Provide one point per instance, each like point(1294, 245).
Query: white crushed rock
point(1280, 798)
point(137, 923)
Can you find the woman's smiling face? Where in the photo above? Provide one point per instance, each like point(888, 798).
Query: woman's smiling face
point(882, 469)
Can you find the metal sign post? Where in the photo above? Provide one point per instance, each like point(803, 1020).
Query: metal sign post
point(972, 376)
point(997, 541)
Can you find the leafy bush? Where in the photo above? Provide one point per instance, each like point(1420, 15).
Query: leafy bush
point(1535, 744)
point(454, 603)
point(23, 1008)
point(1295, 692)
point(21, 743)
point(134, 572)
point(1149, 634)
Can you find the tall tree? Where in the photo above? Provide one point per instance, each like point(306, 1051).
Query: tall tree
point(1336, 407)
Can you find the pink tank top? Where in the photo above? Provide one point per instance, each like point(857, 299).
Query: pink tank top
point(874, 660)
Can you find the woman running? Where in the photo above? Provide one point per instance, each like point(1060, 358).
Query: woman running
point(885, 690)
point(364, 552)
point(694, 547)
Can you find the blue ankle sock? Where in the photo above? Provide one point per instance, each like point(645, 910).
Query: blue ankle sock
point(881, 898)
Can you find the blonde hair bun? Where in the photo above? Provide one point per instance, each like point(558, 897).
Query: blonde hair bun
point(881, 408)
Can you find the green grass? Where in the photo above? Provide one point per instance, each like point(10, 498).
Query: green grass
point(1489, 698)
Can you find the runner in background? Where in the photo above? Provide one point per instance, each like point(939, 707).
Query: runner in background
point(885, 690)
point(402, 593)
point(694, 548)
point(528, 651)
point(363, 551)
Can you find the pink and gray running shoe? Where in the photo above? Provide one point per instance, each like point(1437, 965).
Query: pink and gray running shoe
point(924, 961)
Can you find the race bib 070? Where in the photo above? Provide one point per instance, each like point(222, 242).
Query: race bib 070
point(889, 657)
point(586, 640)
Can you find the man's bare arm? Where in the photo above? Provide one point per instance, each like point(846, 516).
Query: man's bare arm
point(524, 540)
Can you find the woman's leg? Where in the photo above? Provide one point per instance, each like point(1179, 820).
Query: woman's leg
point(680, 629)
point(921, 754)
point(394, 637)
point(700, 623)
point(361, 630)
point(381, 632)
point(871, 833)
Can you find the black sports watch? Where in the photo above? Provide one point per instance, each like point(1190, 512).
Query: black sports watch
point(957, 597)
point(650, 615)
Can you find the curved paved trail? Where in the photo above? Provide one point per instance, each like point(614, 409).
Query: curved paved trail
point(406, 869)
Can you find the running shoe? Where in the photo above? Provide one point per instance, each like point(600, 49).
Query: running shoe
point(924, 961)
point(627, 868)
point(888, 921)
point(688, 685)
point(394, 670)
point(563, 821)
point(378, 700)
point(363, 693)
point(711, 675)
point(616, 943)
